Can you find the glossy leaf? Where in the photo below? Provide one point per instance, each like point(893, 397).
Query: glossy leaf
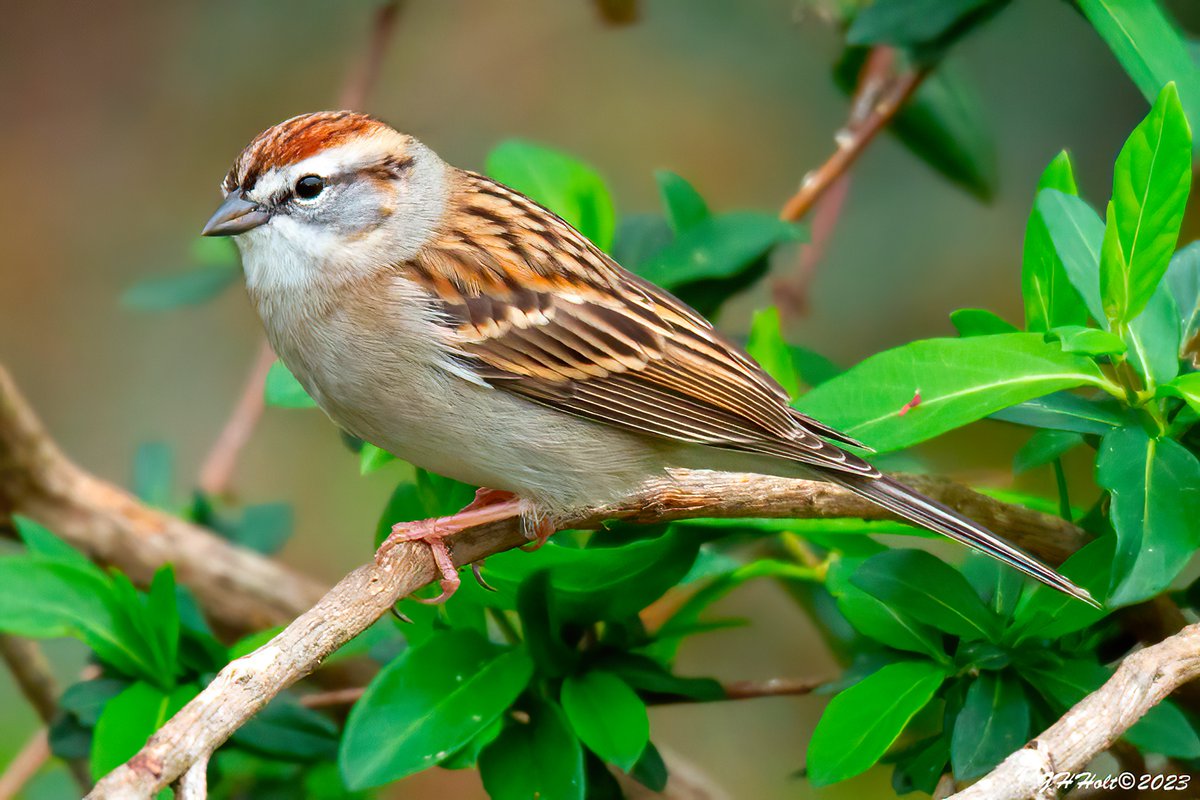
point(1155, 489)
point(1043, 447)
point(1153, 339)
point(862, 722)
point(1077, 233)
point(42, 543)
point(153, 471)
point(265, 527)
point(640, 237)
point(1050, 299)
point(426, 704)
point(1183, 280)
point(283, 390)
point(1151, 179)
point(959, 381)
point(915, 22)
point(1148, 46)
point(168, 292)
point(876, 619)
point(928, 589)
point(979, 322)
point(998, 585)
point(1186, 387)
point(565, 185)
point(993, 723)
point(1088, 341)
point(607, 716)
point(767, 346)
point(129, 719)
point(372, 458)
point(1046, 613)
point(812, 368)
point(684, 206)
point(537, 756)
point(1163, 729)
point(719, 246)
point(285, 729)
point(1067, 412)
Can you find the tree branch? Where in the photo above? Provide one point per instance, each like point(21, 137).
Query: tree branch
point(216, 471)
point(240, 589)
point(245, 685)
point(879, 98)
point(1095, 723)
point(25, 765)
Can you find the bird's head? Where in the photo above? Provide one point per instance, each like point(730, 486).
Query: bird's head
point(329, 196)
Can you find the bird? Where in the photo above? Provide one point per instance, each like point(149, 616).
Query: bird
point(456, 323)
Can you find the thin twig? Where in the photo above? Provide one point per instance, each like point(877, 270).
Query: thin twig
point(738, 690)
point(193, 785)
point(880, 107)
point(22, 769)
point(365, 74)
point(216, 471)
point(34, 677)
point(1095, 723)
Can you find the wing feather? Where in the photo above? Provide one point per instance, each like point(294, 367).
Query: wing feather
point(543, 313)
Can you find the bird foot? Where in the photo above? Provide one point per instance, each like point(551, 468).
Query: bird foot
point(489, 505)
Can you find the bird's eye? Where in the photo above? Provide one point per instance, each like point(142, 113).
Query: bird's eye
point(309, 187)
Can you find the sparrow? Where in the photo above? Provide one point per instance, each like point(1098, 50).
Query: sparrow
point(463, 327)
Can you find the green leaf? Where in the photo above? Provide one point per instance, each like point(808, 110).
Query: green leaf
point(1077, 234)
point(1153, 339)
point(372, 458)
point(1148, 46)
point(920, 767)
point(813, 368)
point(1183, 279)
point(161, 612)
point(286, 730)
point(998, 585)
point(767, 347)
point(265, 527)
point(959, 381)
point(639, 237)
point(994, 722)
point(181, 289)
point(86, 699)
point(42, 543)
point(872, 617)
point(1043, 447)
point(649, 677)
point(48, 599)
point(862, 722)
point(602, 583)
point(1088, 341)
point(684, 205)
point(467, 756)
point(1164, 729)
point(129, 719)
point(153, 473)
point(1186, 387)
point(426, 704)
point(1050, 299)
point(979, 322)
point(916, 22)
point(1068, 412)
point(650, 770)
point(607, 716)
point(1150, 187)
point(537, 757)
point(1046, 613)
point(283, 390)
point(1155, 488)
point(708, 262)
point(565, 185)
point(921, 585)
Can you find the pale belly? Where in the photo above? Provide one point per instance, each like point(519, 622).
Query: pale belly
point(389, 394)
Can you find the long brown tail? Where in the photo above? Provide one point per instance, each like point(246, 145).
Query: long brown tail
point(916, 507)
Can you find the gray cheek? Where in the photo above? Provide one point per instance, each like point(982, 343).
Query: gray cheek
point(353, 212)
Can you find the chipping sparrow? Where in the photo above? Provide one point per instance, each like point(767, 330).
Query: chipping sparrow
point(458, 324)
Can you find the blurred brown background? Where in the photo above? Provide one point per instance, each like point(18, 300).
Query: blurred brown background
point(120, 119)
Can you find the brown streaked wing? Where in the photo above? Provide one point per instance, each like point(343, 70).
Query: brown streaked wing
point(539, 311)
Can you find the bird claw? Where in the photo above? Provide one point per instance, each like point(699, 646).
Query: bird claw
point(476, 570)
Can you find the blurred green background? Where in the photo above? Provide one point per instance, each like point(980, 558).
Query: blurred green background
point(121, 118)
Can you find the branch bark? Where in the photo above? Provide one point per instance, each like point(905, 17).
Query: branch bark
point(245, 685)
point(241, 590)
point(1095, 723)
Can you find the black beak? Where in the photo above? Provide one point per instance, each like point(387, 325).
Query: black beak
point(236, 215)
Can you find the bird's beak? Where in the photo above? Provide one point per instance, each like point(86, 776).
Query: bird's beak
point(236, 215)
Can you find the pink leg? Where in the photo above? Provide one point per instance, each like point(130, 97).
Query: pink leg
point(488, 506)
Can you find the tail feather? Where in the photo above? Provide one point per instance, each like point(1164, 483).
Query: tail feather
point(915, 507)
